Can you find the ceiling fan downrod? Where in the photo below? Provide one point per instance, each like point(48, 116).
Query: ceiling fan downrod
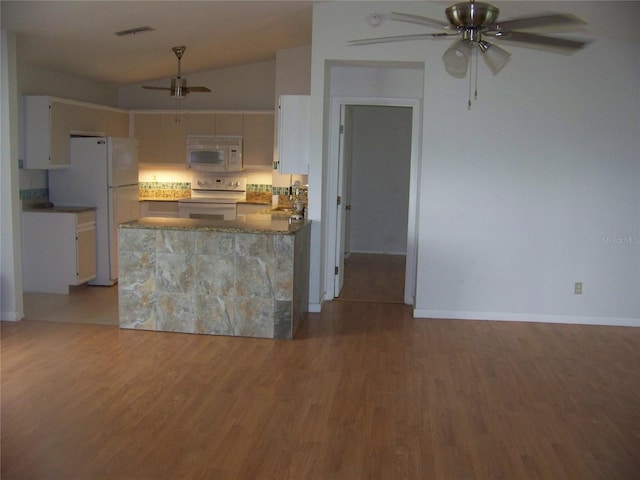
point(178, 85)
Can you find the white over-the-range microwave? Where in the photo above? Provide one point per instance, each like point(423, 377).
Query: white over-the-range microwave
point(211, 153)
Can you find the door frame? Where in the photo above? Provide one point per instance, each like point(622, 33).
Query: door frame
point(334, 166)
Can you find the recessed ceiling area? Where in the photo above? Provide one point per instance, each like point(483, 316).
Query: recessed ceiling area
point(78, 37)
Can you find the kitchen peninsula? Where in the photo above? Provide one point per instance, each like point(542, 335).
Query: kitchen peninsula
point(244, 277)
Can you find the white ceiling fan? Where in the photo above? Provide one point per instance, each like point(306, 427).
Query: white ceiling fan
point(179, 88)
point(473, 23)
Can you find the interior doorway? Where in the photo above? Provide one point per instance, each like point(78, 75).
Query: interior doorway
point(373, 278)
point(375, 150)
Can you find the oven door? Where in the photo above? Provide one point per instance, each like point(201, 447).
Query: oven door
point(207, 210)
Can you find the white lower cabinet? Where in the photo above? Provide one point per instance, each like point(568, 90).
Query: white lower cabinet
point(58, 249)
point(158, 208)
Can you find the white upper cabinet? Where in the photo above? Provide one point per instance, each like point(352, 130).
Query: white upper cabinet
point(49, 122)
point(257, 142)
point(46, 133)
point(162, 139)
point(201, 123)
point(229, 123)
point(293, 134)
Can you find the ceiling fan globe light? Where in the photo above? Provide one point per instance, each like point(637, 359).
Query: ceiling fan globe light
point(456, 58)
point(496, 57)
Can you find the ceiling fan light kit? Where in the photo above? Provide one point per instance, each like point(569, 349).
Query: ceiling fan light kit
point(456, 58)
point(473, 22)
point(494, 56)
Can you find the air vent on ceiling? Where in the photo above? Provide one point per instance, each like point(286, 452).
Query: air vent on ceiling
point(134, 31)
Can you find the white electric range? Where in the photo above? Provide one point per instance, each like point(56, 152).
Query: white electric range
point(213, 196)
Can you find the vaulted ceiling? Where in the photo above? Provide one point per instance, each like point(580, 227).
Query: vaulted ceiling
point(78, 37)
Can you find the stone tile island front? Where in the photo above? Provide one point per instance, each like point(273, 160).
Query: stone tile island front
point(247, 277)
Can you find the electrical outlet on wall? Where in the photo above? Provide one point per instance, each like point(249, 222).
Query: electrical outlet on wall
point(577, 288)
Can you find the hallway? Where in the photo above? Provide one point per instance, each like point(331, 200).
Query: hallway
point(373, 278)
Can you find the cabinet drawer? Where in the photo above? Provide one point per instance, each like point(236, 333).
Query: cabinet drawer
point(150, 208)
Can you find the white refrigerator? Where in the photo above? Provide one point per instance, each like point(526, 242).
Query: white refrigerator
point(103, 174)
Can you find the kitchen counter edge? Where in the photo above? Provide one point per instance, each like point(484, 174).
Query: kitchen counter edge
point(60, 209)
point(254, 223)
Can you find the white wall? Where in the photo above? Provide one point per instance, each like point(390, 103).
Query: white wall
point(533, 189)
point(244, 87)
point(293, 77)
point(11, 306)
point(381, 160)
point(293, 72)
point(38, 81)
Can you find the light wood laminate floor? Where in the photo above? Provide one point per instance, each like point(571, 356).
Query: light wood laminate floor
point(364, 391)
point(84, 304)
point(373, 278)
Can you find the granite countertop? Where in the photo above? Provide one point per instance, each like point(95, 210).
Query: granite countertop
point(50, 208)
point(253, 223)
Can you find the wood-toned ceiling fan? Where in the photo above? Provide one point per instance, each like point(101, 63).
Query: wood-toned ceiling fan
point(473, 23)
point(179, 88)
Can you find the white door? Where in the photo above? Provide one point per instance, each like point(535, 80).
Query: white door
point(343, 206)
point(341, 209)
point(337, 176)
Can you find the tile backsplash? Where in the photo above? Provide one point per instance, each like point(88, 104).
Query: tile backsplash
point(256, 192)
point(166, 190)
point(34, 194)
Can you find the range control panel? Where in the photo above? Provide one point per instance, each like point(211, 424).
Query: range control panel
point(203, 181)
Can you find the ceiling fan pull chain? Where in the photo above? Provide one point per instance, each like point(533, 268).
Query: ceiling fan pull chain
point(177, 117)
point(475, 54)
point(473, 76)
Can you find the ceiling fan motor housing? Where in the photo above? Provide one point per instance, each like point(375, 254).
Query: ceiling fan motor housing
point(472, 15)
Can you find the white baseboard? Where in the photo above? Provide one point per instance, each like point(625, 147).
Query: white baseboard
point(11, 316)
point(527, 317)
point(315, 307)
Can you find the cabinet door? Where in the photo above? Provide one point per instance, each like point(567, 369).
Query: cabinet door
point(293, 134)
point(174, 137)
point(49, 251)
point(60, 122)
point(150, 208)
point(88, 120)
point(229, 123)
point(117, 124)
point(201, 124)
point(146, 128)
point(257, 148)
point(86, 253)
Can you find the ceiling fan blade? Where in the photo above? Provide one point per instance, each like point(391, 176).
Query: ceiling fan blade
point(197, 89)
point(536, 22)
point(541, 40)
point(419, 19)
point(400, 38)
point(155, 88)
